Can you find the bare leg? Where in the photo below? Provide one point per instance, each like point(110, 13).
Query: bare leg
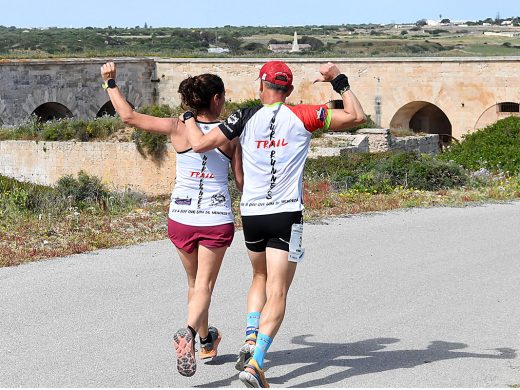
point(190, 264)
point(256, 296)
point(210, 260)
point(280, 273)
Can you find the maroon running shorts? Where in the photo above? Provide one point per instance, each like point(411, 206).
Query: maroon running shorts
point(187, 237)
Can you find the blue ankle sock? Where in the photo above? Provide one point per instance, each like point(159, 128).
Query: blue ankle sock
point(253, 320)
point(263, 342)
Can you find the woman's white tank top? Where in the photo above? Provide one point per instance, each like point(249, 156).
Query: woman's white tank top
point(200, 196)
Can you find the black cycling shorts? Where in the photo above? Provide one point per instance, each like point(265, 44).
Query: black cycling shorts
point(271, 230)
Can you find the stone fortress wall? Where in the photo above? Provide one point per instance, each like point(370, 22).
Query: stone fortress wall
point(451, 96)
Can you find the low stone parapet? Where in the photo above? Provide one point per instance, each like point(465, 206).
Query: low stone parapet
point(425, 144)
point(118, 164)
point(335, 144)
point(373, 141)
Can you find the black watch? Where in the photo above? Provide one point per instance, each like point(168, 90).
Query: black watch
point(110, 83)
point(188, 115)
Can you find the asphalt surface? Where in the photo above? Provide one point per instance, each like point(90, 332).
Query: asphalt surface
point(416, 298)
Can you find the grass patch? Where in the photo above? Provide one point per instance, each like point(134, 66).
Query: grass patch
point(77, 215)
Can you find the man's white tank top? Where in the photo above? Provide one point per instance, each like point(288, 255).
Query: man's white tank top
point(200, 196)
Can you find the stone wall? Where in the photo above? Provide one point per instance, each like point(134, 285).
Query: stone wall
point(73, 83)
point(462, 88)
point(391, 90)
point(373, 141)
point(426, 144)
point(117, 164)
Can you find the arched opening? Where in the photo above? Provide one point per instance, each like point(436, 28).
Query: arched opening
point(496, 112)
point(51, 111)
point(423, 117)
point(108, 109)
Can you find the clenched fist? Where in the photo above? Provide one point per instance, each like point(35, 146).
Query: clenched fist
point(329, 72)
point(108, 71)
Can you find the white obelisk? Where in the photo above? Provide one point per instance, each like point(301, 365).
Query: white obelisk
point(295, 46)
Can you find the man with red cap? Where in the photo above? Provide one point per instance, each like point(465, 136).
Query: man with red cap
point(275, 140)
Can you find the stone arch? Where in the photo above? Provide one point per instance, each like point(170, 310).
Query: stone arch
point(496, 112)
point(425, 117)
point(108, 109)
point(52, 110)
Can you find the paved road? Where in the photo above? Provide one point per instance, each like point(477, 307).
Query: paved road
point(418, 298)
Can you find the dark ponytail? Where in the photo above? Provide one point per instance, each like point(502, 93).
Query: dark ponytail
point(197, 91)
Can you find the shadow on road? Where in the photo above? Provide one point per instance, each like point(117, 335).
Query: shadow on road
point(359, 358)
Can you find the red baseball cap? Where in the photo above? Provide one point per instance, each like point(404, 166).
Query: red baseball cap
point(276, 72)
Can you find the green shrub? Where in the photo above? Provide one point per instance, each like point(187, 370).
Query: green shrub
point(154, 144)
point(64, 129)
point(83, 189)
point(496, 148)
point(161, 111)
point(380, 172)
point(150, 144)
point(57, 130)
point(26, 196)
point(30, 129)
point(99, 128)
point(70, 193)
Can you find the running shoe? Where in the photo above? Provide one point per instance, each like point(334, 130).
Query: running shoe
point(209, 350)
point(246, 352)
point(185, 350)
point(253, 375)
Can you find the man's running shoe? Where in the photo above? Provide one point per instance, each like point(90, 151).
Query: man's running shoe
point(253, 375)
point(209, 350)
point(185, 350)
point(246, 352)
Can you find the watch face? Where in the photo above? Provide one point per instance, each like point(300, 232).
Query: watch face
point(111, 83)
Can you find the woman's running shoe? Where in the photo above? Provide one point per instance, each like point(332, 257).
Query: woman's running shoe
point(185, 350)
point(253, 375)
point(209, 350)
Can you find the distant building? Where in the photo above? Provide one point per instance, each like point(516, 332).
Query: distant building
point(217, 50)
point(502, 34)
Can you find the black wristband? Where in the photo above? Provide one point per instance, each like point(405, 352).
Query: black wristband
point(340, 84)
point(187, 115)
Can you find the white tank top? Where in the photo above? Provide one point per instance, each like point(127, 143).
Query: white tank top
point(275, 140)
point(200, 196)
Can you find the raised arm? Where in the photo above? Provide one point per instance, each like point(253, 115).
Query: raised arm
point(126, 112)
point(352, 113)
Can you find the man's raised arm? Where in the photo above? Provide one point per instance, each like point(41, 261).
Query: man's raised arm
point(352, 113)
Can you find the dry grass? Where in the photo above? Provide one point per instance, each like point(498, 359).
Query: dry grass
point(321, 201)
point(30, 237)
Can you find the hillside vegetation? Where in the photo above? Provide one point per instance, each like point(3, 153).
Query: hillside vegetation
point(330, 41)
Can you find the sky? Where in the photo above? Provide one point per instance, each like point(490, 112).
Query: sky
point(216, 13)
